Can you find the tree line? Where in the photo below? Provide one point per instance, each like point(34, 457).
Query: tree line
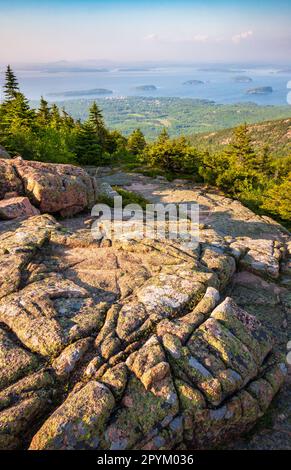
point(258, 179)
point(52, 135)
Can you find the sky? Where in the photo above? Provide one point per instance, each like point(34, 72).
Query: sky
point(145, 30)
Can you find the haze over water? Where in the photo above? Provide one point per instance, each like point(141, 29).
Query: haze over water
point(218, 85)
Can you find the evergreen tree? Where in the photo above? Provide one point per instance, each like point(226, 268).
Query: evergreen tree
point(87, 147)
point(265, 161)
point(97, 122)
point(136, 142)
point(115, 142)
point(67, 120)
point(43, 114)
point(163, 136)
point(277, 199)
point(174, 155)
point(55, 117)
point(240, 149)
point(17, 113)
point(11, 87)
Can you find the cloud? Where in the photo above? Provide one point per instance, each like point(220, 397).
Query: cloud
point(237, 38)
point(200, 38)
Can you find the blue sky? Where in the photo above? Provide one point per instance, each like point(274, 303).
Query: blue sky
point(145, 30)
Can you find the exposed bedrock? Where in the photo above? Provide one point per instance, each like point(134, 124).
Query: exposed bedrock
point(139, 344)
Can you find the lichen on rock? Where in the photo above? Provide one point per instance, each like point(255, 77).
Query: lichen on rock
point(138, 344)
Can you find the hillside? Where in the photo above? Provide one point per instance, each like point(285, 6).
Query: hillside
point(276, 134)
point(179, 116)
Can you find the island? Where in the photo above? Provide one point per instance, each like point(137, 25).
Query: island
point(242, 79)
point(193, 82)
point(262, 90)
point(146, 88)
point(74, 70)
point(94, 91)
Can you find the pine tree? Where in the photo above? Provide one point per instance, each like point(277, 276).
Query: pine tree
point(67, 120)
point(11, 87)
point(87, 147)
point(240, 149)
point(43, 114)
point(136, 142)
point(97, 122)
point(55, 118)
point(163, 136)
point(17, 113)
point(277, 199)
point(265, 161)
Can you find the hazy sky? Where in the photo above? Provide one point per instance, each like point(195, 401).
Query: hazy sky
point(124, 30)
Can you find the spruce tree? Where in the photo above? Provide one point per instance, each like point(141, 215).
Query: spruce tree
point(163, 136)
point(240, 149)
point(55, 118)
point(87, 147)
point(17, 113)
point(43, 114)
point(97, 122)
point(11, 87)
point(67, 120)
point(265, 161)
point(136, 142)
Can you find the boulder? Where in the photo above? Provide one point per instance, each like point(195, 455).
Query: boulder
point(9, 180)
point(56, 189)
point(63, 189)
point(15, 207)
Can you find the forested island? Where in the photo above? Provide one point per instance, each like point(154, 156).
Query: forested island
point(262, 90)
point(94, 91)
point(242, 79)
point(193, 82)
point(146, 88)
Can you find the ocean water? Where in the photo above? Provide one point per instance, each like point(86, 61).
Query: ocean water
point(218, 86)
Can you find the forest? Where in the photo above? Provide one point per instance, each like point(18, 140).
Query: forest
point(178, 115)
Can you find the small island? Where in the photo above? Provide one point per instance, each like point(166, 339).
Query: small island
point(263, 90)
point(95, 91)
point(242, 79)
point(193, 82)
point(146, 88)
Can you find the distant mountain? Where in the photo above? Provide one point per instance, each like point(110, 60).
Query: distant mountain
point(75, 69)
point(276, 134)
point(67, 66)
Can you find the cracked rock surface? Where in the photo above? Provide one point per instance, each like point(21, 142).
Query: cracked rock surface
point(141, 344)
